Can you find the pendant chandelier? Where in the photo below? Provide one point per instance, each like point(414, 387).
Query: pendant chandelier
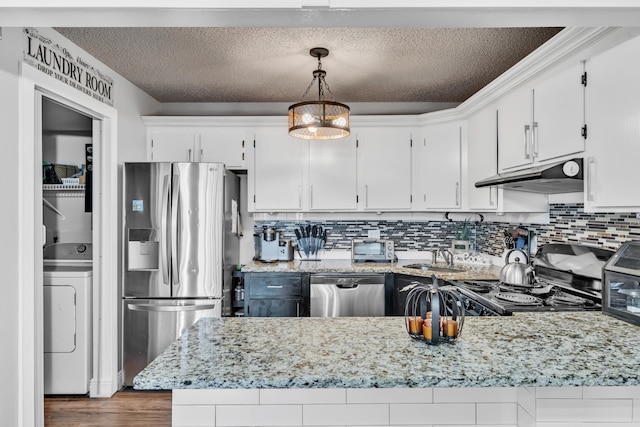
point(321, 119)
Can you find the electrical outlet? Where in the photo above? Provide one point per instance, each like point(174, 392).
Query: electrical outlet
point(373, 234)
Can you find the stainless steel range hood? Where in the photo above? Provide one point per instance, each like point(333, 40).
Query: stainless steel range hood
point(563, 177)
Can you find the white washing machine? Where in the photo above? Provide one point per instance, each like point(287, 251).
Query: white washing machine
point(68, 279)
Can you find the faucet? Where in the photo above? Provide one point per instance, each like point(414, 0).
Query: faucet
point(434, 255)
point(446, 255)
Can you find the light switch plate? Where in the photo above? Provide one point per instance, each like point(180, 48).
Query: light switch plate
point(373, 234)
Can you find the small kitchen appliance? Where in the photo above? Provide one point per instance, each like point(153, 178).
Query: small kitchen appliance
point(372, 250)
point(269, 247)
point(621, 284)
point(567, 277)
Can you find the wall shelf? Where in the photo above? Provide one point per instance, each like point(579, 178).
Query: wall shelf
point(61, 190)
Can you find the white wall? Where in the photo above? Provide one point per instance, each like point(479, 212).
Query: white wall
point(10, 51)
point(76, 224)
point(19, 400)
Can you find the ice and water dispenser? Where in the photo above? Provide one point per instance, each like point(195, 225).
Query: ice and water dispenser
point(142, 249)
point(621, 284)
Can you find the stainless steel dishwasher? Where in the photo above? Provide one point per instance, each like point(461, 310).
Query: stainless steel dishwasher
point(346, 295)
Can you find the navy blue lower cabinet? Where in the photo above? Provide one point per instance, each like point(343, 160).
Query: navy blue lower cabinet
point(276, 295)
point(399, 297)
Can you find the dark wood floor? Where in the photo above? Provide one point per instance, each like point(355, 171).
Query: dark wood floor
point(125, 408)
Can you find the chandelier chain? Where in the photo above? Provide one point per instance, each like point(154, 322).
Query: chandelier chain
point(326, 85)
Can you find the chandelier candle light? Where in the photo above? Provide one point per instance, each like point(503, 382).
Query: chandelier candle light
point(321, 119)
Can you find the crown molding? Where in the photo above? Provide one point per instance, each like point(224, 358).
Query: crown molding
point(562, 48)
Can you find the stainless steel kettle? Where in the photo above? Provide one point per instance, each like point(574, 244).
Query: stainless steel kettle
point(516, 273)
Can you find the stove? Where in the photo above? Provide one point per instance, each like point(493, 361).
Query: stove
point(494, 298)
point(567, 278)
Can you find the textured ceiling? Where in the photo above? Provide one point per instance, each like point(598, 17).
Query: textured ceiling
point(256, 65)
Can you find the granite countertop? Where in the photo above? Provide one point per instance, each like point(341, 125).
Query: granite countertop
point(467, 270)
point(527, 349)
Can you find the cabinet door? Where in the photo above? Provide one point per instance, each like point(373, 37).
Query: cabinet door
point(178, 146)
point(384, 165)
point(482, 160)
point(613, 144)
point(274, 307)
point(440, 166)
point(333, 174)
point(514, 129)
point(277, 174)
point(558, 116)
point(223, 145)
point(276, 294)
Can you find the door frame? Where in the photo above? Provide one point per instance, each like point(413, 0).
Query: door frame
point(105, 382)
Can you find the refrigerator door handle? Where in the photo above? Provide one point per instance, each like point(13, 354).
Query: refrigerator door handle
point(169, 308)
point(163, 230)
point(174, 229)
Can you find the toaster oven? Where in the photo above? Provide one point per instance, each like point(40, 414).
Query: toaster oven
point(372, 250)
point(621, 284)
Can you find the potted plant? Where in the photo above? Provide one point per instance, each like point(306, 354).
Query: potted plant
point(461, 241)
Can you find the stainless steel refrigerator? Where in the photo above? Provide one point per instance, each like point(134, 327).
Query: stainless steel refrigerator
point(181, 244)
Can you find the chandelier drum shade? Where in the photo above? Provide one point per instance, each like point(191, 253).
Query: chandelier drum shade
point(321, 119)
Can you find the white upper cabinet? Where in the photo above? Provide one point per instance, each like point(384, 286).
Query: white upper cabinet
point(558, 120)
point(384, 168)
point(333, 174)
point(225, 145)
point(279, 160)
point(482, 161)
point(542, 120)
point(613, 140)
point(172, 145)
point(178, 139)
point(439, 183)
point(514, 131)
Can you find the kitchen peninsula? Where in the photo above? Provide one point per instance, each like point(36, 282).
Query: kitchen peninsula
point(559, 368)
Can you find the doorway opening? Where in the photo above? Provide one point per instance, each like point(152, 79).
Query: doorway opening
point(67, 140)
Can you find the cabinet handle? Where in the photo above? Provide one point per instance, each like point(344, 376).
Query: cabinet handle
point(300, 196)
point(526, 142)
point(535, 140)
point(275, 286)
point(298, 309)
point(591, 163)
point(491, 196)
point(457, 193)
point(189, 158)
point(311, 197)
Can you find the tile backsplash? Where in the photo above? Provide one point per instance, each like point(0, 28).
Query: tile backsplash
point(567, 223)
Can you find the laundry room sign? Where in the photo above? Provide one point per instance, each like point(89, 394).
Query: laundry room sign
point(57, 61)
